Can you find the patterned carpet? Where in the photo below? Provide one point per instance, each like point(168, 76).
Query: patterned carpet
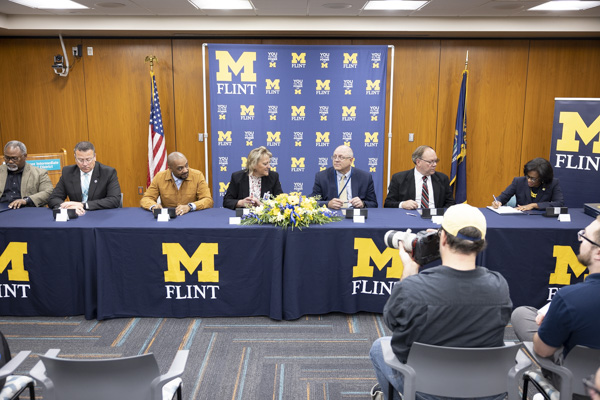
point(315, 357)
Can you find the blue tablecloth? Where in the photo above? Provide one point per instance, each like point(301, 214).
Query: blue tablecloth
point(122, 262)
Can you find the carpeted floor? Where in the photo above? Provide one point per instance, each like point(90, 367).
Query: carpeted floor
point(315, 357)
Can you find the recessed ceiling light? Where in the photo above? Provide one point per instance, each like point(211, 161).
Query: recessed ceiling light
point(566, 6)
point(337, 6)
point(222, 4)
point(50, 5)
point(394, 5)
point(110, 5)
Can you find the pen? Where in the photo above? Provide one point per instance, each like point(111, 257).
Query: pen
point(412, 215)
point(495, 199)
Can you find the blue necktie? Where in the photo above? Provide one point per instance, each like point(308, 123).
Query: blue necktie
point(85, 186)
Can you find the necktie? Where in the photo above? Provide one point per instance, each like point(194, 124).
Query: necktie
point(425, 194)
point(85, 186)
point(344, 193)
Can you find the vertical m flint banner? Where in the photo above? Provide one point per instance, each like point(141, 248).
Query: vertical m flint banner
point(575, 151)
point(300, 102)
point(157, 153)
point(458, 174)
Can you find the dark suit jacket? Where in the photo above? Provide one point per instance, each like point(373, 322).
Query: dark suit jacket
point(548, 195)
point(360, 181)
point(239, 187)
point(402, 188)
point(104, 191)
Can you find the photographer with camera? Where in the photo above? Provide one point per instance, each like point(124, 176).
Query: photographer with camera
point(455, 304)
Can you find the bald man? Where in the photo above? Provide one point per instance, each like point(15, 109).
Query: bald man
point(178, 187)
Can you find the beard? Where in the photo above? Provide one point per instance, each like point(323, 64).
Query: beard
point(12, 167)
point(585, 259)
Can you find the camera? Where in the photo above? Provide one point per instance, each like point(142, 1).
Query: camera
point(424, 246)
point(58, 61)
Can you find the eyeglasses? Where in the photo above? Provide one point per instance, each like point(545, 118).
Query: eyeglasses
point(531, 178)
point(13, 159)
point(580, 235)
point(431, 162)
point(341, 158)
point(84, 160)
point(590, 386)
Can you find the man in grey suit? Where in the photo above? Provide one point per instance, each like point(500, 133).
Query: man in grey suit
point(88, 184)
point(21, 184)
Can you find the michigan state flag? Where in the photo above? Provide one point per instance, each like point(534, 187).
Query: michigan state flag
point(458, 174)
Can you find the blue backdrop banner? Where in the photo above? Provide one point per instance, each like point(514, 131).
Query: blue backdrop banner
point(575, 152)
point(301, 102)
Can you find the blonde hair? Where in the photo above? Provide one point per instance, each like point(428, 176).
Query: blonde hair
point(255, 156)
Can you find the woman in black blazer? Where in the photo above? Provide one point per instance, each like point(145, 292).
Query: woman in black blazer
point(537, 189)
point(248, 186)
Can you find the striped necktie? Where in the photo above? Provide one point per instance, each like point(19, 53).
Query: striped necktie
point(85, 186)
point(425, 194)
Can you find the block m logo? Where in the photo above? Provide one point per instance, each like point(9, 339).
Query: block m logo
point(298, 111)
point(322, 137)
point(350, 58)
point(245, 63)
point(348, 111)
point(246, 110)
point(273, 136)
point(367, 251)
point(373, 85)
point(272, 85)
point(371, 137)
point(572, 124)
point(323, 85)
point(224, 136)
point(299, 58)
point(14, 254)
point(204, 254)
point(299, 163)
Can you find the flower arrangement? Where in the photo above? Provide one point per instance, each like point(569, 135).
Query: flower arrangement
point(286, 210)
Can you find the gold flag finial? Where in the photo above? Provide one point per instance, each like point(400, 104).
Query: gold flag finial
point(151, 59)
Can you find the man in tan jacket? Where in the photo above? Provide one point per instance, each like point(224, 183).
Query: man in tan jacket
point(21, 184)
point(178, 187)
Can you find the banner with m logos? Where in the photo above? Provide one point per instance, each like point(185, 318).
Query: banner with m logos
point(575, 152)
point(301, 102)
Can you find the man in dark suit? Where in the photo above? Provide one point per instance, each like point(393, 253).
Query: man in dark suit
point(406, 187)
point(88, 184)
point(342, 186)
point(21, 184)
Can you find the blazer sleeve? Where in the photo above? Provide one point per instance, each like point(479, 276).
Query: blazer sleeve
point(276, 185)
point(371, 198)
point(59, 194)
point(150, 196)
point(203, 198)
point(448, 198)
point(556, 199)
point(392, 199)
point(318, 189)
point(509, 192)
point(113, 192)
point(232, 195)
point(44, 189)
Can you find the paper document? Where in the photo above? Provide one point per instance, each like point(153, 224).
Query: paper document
point(505, 210)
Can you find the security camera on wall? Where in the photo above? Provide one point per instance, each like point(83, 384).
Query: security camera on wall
point(61, 62)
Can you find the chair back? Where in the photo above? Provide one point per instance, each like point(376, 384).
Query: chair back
point(121, 378)
point(582, 362)
point(462, 372)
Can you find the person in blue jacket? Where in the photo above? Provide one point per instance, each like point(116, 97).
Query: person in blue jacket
point(538, 189)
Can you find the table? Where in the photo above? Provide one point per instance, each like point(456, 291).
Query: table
point(122, 262)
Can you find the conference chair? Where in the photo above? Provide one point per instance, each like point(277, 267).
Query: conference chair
point(580, 363)
point(459, 372)
point(132, 378)
point(15, 384)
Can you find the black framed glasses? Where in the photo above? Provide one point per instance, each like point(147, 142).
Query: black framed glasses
point(531, 178)
point(431, 162)
point(13, 159)
point(591, 388)
point(580, 235)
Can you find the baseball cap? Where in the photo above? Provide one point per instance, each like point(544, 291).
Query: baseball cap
point(462, 216)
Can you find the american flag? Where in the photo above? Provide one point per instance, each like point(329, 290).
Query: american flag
point(157, 154)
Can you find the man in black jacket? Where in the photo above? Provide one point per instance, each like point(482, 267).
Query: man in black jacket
point(88, 184)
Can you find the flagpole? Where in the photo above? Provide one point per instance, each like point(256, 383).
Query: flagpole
point(467, 61)
point(151, 58)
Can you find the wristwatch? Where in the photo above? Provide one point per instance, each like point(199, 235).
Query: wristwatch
point(191, 206)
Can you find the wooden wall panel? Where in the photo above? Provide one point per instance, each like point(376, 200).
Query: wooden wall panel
point(495, 103)
point(557, 68)
point(117, 87)
point(106, 99)
point(43, 110)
